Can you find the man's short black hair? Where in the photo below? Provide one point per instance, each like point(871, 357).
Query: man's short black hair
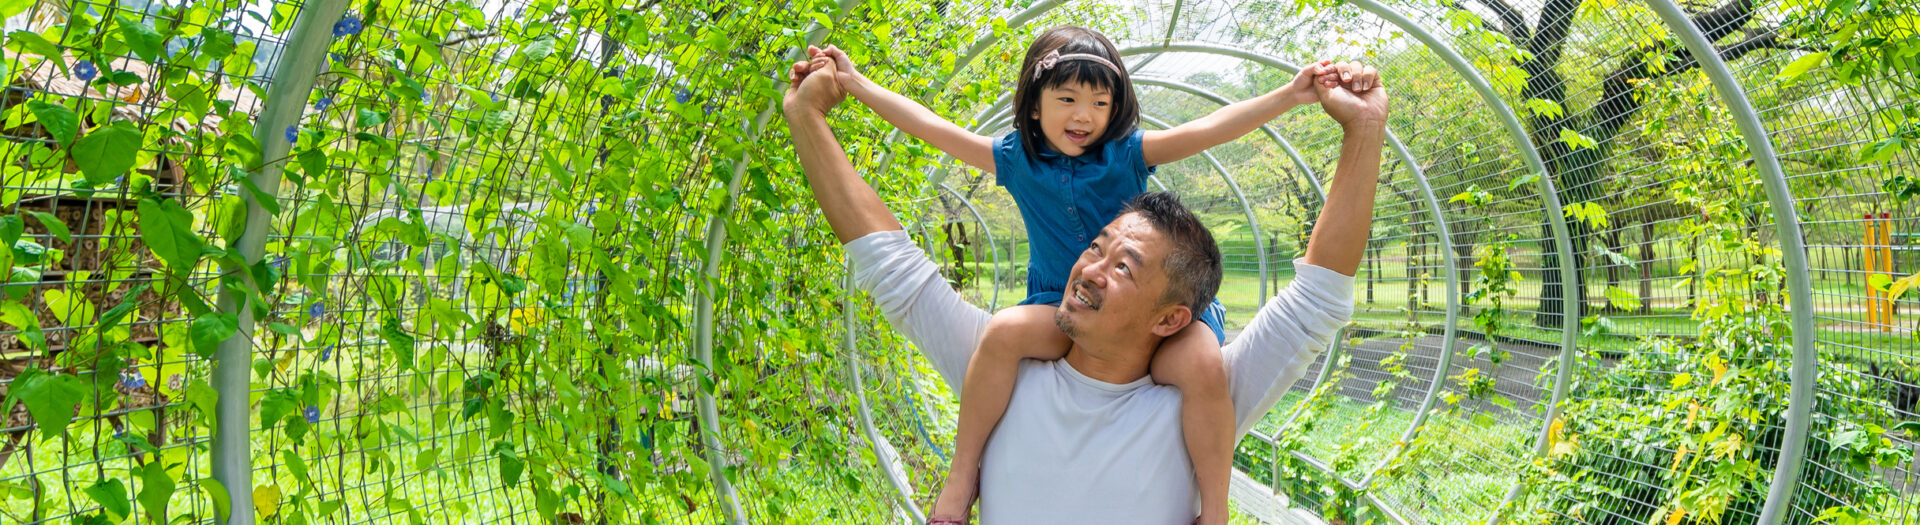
point(1193, 264)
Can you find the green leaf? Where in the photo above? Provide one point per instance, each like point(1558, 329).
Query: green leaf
point(1802, 65)
point(206, 400)
point(111, 494)
point(32, 42)
point(538, 50)
point(140, 36)
point(8, 8)
point(313, 164)
point(156, 487)
point(11, 226)
point(1879, 281)
point(1911, 427)
point(50, 398)
point(107, 152)
point(53, 225)
point(57, 119)
point(222, 504)
point(209, 330)
point(167, 228)
point(1623, 298)
point(1576, 140)
point(1882, 151)
point(510, 463)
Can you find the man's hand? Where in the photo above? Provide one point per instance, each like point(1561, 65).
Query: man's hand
point(812, 87)
point(1352, 94)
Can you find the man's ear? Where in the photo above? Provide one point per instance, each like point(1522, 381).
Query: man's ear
point(1172, 319)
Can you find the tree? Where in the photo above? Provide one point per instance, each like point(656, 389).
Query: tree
point(1576, 144)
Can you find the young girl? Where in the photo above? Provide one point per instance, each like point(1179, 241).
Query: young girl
point(1075, 159)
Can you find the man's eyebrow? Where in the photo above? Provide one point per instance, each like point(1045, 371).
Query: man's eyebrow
point(1133, 254)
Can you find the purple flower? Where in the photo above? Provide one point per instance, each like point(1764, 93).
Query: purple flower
point(312, 413)
point(293, 134)
point(85, 71)
point(323, 104)
point(131, 380)
point(326, 353)
point(348, 25)
point(317, 310)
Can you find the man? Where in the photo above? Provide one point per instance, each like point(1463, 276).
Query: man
point(1090, 438)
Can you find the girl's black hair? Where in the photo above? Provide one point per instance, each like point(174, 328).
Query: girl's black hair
point(1125, 116)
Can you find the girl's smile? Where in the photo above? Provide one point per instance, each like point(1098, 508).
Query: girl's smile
point(1073, 115)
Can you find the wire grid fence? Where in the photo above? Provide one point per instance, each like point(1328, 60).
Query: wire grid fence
point(376, 402)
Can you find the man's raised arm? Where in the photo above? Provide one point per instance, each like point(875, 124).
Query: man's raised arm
point(1296, 325)
point(851, 206)
point(903, 282)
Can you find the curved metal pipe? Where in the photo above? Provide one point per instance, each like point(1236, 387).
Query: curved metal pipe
point(232, 449)
point(980, 45)
point(703, 295)
point(992, 245)
point(1556, 219)
point(1805, 370)
point(1253, 223)
point(901, 486)
point(1450, 336)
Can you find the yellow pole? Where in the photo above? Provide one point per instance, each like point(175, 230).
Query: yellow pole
point(1871, 266)
point(1886, 267)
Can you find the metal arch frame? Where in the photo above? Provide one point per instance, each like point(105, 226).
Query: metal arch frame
point(1556, 220)
point(992, 245)
point(703, 294)
point(901, 486)
point(1449, 335)
point(1804, 371)
point(1253, 223)
point(232, 450)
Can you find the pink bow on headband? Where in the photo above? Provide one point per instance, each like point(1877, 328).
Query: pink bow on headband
point(1053, 58)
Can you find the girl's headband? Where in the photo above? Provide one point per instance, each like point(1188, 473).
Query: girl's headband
point(1054, 57)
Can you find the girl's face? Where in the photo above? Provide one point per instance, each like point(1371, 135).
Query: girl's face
point(1073, 115)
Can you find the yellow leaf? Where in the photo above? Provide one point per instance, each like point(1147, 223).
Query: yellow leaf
point(266, 499)
point(1901, 286)
point(1679, 455)
point(1678, 514)
point(1719, 368)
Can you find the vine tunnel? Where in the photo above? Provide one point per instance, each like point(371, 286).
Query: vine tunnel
point(553, 261)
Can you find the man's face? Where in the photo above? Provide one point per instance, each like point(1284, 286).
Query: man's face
point(1115, 289)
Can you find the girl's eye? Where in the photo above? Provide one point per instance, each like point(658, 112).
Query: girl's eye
point(1101, 104)
point(1068, 100)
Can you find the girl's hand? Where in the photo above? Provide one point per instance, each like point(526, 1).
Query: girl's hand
point(849, 77)
point(1300, 91)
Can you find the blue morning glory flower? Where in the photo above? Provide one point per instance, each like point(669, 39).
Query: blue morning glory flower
point(280, 263)
point(85, 71)
point(323, 104)
point(348, 25)
point(682, 95)
point(326, 353)
point(293, 133)
point(312, 413)
point(495, 96)
point(316, 310)
point(131, 380)
point(337, 57)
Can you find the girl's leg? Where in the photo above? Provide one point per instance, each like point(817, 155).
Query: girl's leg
point(1191, 360)
point(1020, 332)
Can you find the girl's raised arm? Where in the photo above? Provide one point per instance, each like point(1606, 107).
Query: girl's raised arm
point(1231, 121)
point(974, 149)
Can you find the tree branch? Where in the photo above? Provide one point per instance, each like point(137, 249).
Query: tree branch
point(1484, 23)
point(1516, 24)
